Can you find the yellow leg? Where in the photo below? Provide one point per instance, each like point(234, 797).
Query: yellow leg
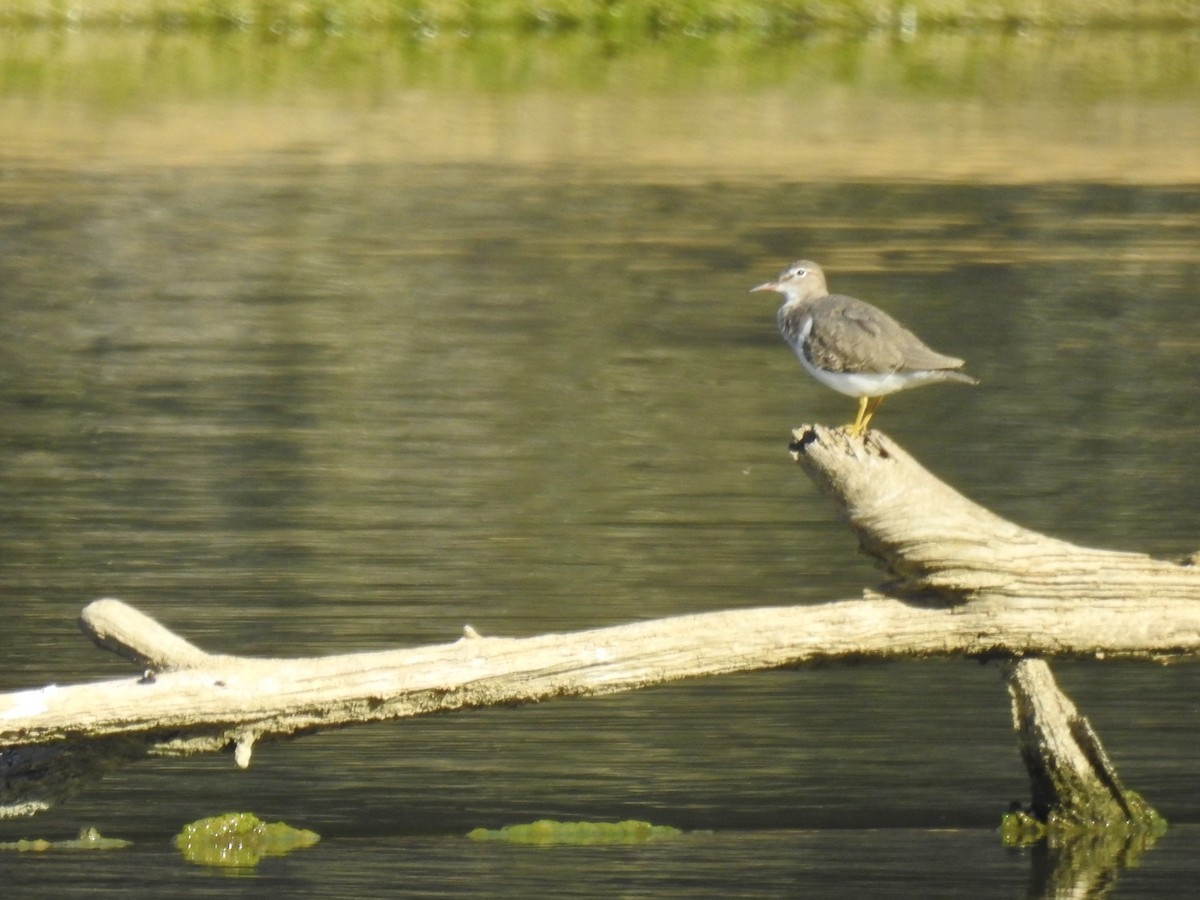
point(866, 409)
point(872, 405)
point(857, 427)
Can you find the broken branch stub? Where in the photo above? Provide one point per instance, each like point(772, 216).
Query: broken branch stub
point(1074, 783)
point(941, 548)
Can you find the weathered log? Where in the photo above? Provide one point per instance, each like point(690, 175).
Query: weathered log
point(1083, 824)
point(941, 548)
point(958, 552)
point(966, 582)
point(1075, 785)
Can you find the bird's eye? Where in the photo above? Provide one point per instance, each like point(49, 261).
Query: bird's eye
point(799, 273)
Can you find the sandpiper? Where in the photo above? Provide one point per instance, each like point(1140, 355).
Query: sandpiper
point(850, 345)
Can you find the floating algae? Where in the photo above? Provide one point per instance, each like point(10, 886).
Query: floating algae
point(1098, 840)
point(89, 839)
point(548, 831)
point(1020, 829)
point(239, 839)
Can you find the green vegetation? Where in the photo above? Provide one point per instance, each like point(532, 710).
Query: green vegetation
point(120, 67)
point(547, 831)
point(1019, 828)
point(89, 839)
point(610, 17)
point(239, 840)
point(107, 53)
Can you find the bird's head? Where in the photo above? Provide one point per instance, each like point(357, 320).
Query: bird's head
point(803, 280)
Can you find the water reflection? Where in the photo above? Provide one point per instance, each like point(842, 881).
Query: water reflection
point(315, 401)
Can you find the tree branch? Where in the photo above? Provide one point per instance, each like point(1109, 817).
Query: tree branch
point(965, 583)
point(941, 548)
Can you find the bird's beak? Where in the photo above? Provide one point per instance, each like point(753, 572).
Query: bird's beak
point(766, 286)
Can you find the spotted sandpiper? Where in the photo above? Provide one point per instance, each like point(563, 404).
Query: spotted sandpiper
point(851, 346)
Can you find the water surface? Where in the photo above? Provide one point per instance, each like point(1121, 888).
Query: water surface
point(302, 378)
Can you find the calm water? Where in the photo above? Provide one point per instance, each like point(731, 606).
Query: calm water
point(300, 404)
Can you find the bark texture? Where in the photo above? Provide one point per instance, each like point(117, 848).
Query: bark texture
point(941, 548)
point(1075, 784)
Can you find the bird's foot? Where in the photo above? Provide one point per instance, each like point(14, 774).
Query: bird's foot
point(856, 430)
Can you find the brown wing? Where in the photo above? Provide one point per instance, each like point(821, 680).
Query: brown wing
point(849, 335)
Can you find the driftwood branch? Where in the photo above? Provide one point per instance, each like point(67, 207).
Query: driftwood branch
point(940, 548)
point(1074, 782)
point(1044, 596)
point(1083, 823)
point(964, 582)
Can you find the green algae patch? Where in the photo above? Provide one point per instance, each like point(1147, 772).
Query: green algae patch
point(239, 840)
point(1125, 838)
point(548, 831)
point(1020, 829)
point(89, 839)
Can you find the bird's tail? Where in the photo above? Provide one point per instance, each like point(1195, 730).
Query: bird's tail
point(952, 375)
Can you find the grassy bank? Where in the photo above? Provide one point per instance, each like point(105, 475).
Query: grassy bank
point(119, 68)
point(628, 18)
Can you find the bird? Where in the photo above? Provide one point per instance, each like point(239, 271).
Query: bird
point(851, 346)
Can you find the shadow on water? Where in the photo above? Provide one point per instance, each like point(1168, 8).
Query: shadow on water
point(351, 363)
